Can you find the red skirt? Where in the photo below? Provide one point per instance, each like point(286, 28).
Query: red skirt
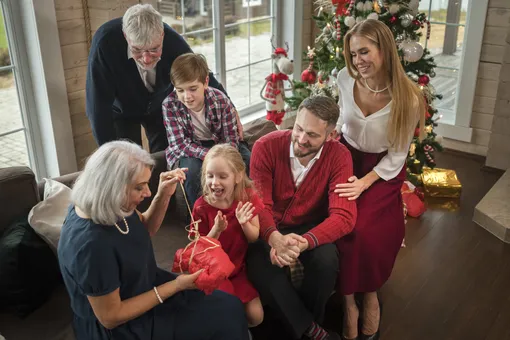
point(367, 255)
point(239, 285)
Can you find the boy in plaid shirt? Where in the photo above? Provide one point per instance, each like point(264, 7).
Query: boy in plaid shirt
point(196, 118)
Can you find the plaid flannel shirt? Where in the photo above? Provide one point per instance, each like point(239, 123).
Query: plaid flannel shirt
point(220, 118)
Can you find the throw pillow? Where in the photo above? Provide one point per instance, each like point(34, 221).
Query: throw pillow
point(47, 216)
point(29, 269)
point(256, 129)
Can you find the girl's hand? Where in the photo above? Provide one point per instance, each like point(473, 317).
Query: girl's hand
point(220, 222)
point(168, 180)
point(244, 212)
point(351, 190)
point(187, 281)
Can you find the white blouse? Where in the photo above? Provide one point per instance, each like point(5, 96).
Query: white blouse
point(368, 134)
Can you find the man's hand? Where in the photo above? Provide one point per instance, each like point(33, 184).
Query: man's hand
point(168, 181)
point(286, 246)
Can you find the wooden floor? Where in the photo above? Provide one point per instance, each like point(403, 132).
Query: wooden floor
point(452, 281)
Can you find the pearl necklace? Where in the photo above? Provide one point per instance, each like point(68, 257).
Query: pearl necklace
point(127, 227)
point(372, 90)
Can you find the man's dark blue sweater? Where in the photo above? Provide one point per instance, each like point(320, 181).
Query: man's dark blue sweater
point(115, 91)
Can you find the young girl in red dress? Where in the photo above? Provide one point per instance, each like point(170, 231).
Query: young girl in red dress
point(228, 212)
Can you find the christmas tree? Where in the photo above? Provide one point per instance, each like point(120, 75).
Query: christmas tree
point(334, 18)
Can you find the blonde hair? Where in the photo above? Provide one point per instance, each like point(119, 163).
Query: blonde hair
point(405, 94)
point(189, 67)
point(234, 160)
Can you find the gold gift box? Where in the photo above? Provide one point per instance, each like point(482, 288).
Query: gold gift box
point(441, 183)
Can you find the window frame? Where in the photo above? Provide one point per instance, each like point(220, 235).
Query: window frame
point(219, 28)
point(468, 72)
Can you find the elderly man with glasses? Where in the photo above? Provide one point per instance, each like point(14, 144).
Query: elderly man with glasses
point(128, 77)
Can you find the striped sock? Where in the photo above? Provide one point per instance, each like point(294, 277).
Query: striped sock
point(316, 332)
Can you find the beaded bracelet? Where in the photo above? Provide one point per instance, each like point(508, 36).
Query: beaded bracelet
point(157, 295)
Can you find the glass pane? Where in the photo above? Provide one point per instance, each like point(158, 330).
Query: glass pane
point(446, 82)
point(260, 40)
point(13, 150)
point(236, 46)
point(5, 59)
point(238, 87)
point(10, 115)
point(203, 43)
point(243, 9)
point(258, 73)
point(450, 11)
point(423, 7)
point(172, 13)
point(198, 14)
point(445, 45)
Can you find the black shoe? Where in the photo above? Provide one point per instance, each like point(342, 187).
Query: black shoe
point(374, 336)
point(333, 336)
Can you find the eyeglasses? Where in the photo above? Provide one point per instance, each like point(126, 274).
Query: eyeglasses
point(152, 51)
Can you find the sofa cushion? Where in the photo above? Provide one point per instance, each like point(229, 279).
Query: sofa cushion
point(18, 194)
point(256, 129)
point(47, 216)
point(29, 269)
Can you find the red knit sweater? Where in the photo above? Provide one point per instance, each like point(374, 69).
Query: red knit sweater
point(314, 201)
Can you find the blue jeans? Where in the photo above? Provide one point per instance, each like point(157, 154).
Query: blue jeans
point(192, 185)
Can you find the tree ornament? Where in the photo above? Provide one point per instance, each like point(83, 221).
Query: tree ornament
point(351, 6)
point(428, 115)
point(393, 19)
point(413, 51)
point(423, 80)
point(334, 72)
point(417, 22)
point(428, 128)
point(413, 6)
point(327, 29)
point(417, 132)
point(308, 76)
point(369, 5)
point(406, 20)
point(334, 35)
point(338, 35)
point(359, 19)
point(349, 21)
point(360, 6)
point(412, 149)
point(377, 7)
point(394, 8)
point(432, 74)
point(373, 16)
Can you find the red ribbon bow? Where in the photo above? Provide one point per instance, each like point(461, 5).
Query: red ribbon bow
point(273, 77)
point(340, 6)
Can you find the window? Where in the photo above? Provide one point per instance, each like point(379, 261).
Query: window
point(234, 36)
point(455, 42)
point(14, 149)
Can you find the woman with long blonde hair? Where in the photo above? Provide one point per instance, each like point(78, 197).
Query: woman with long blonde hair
point(380, 108)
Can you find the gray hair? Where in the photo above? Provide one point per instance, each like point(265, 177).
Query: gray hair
point(102, 188)
point(142, 24)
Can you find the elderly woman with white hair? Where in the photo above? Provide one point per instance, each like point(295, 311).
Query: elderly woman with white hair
point(108, 265)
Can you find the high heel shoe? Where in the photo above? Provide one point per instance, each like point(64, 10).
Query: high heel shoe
point(374, 336)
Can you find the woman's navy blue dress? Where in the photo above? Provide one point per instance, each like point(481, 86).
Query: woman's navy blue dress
point(95, 260)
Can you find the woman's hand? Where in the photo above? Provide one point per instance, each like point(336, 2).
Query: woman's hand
point(168, 180)
point(351, 190)
point(244, 212)
point(187, 281)
point(220, 222)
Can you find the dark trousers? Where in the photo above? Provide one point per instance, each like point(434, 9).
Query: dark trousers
point(154, 129)
point(192, 185)
point(297, 308)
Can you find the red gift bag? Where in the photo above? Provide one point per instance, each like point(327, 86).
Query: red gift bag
point(204, 253)
point(413, 200)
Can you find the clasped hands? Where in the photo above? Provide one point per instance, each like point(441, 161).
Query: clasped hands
point(285, 249)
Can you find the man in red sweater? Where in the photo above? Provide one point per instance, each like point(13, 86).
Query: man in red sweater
point(296, 172)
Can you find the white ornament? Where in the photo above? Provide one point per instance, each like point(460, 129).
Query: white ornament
point(413, 51)
point(334, 72)
point(369, 5)
point(394, 8)
point(359, 19)
point(373, 16)
point(326, 29)
point(349, 21)
point(406, 20)
point(333, 35)
point(360, 6)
